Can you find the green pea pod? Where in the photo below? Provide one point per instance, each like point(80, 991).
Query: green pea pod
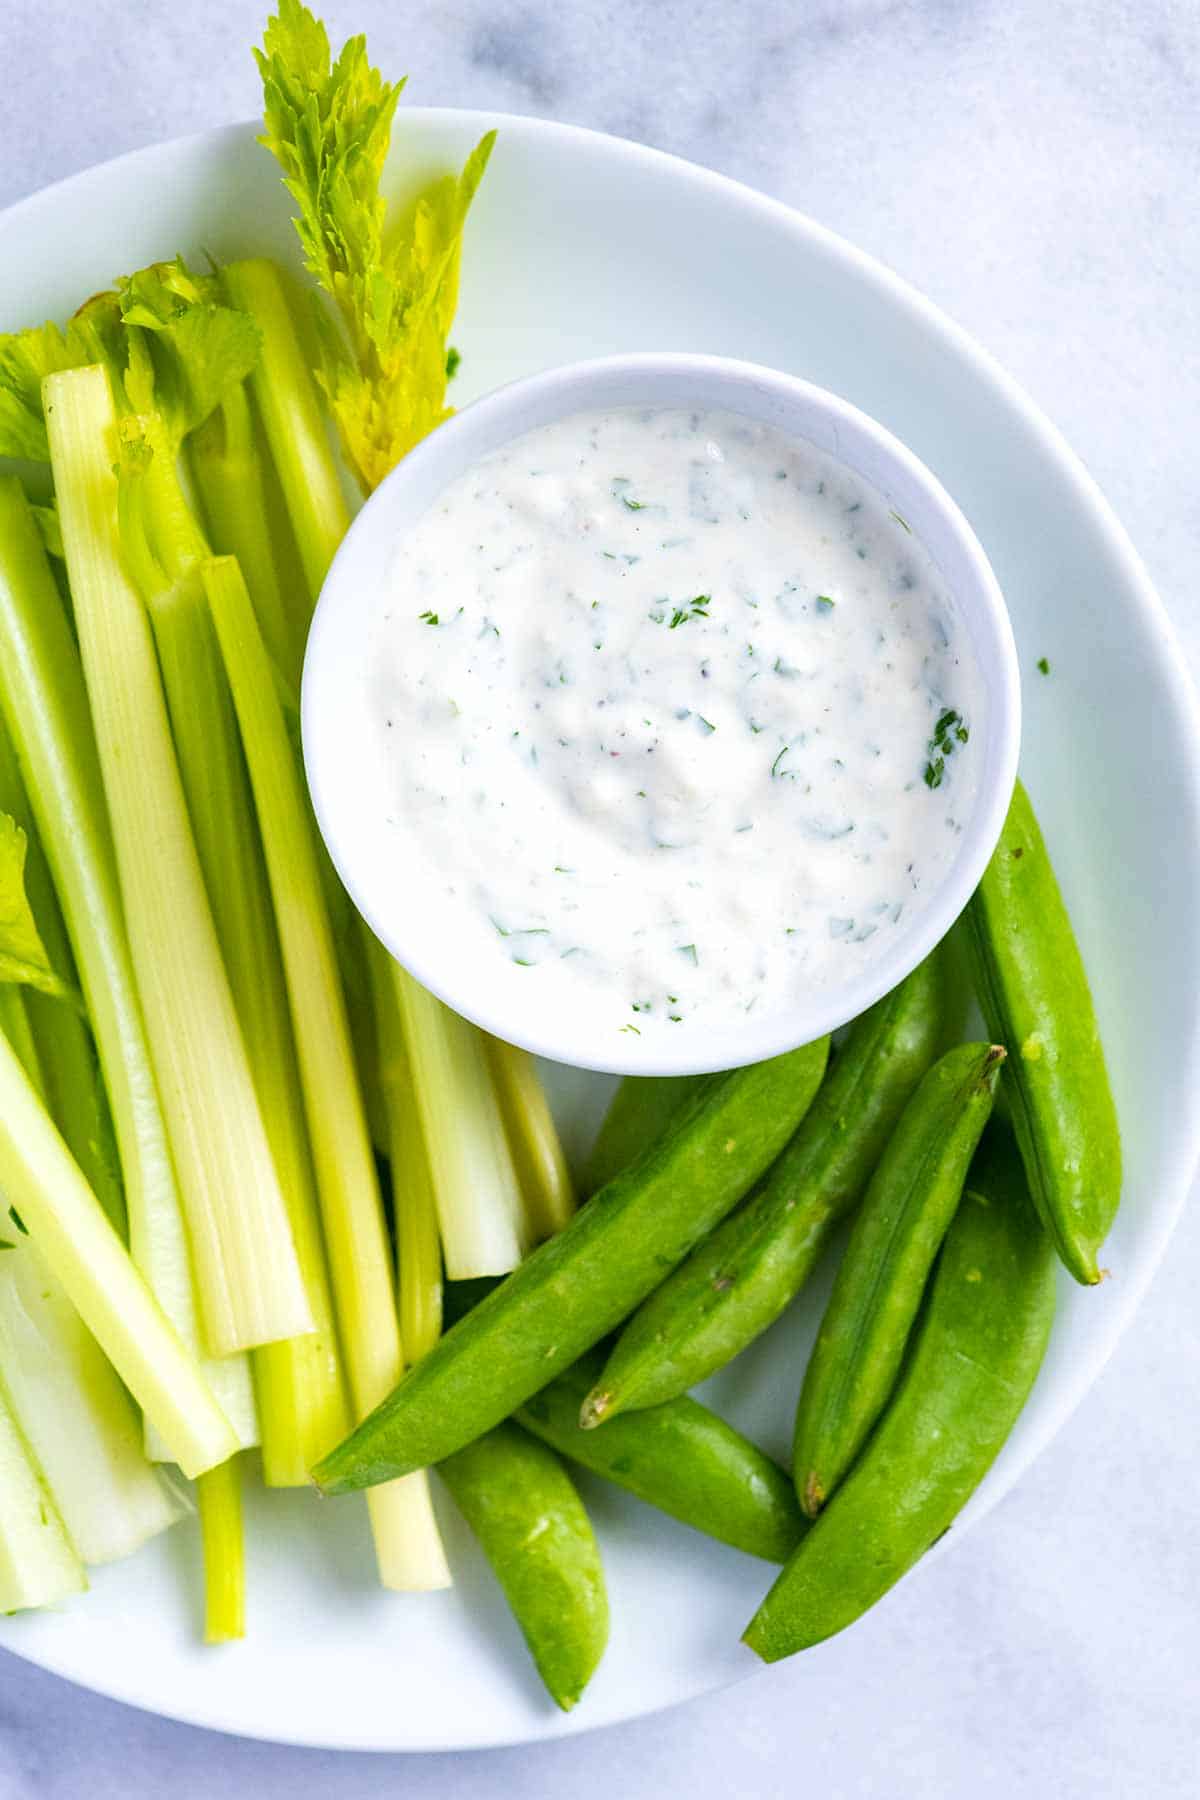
point(905, 1214)
point(577, 1287)
point(531, 1525)
point(641, 1109)
point(739, 1280)
point(975, 1355)
point(1034, 992)
point(681, 1458)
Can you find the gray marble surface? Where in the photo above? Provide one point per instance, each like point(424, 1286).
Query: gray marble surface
point(1034, 166)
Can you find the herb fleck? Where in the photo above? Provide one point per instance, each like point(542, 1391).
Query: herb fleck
point(430, 618)
point(949, 731)
point(696, 608)
point(453, 361)
point(1043, 665)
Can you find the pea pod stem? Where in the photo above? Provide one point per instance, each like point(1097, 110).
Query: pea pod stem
point(975, 1356)
point(739, 1280)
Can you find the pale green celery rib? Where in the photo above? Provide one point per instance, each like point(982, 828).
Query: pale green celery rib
point(480, 1213)
point(231, 476)
point(45, 706)
point(219, 1501)
point(542, 1172)
point(71, 1081)
point(248, 1279)
point(306, 475)
point(16, 1027)
point(301, 1403)
point(40, 1178)
point(418, 1243)
point(352, 1209)
point(483, 1227)
point(38, 1564)
point(290, 409)
point(76, 1415)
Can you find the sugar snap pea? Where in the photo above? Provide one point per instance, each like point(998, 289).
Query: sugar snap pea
point(896, 1236)
point(574, 1289)
point(1034, 992)
point(681, 1458)
point(531, 1525)
point(975, 1355)
point(738, 1281)
point(642, 1107)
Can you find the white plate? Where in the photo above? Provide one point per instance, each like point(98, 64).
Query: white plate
point(581, 245)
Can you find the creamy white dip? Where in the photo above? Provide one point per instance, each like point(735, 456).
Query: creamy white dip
point(675, 709)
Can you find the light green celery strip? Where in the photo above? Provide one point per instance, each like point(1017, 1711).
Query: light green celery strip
point(302, 467)
point(75, 1414)
point(406, 1538)
point(479, 1204)
point(418, 1245)
point(542, 1171)
point(72, 1085)
point(249, 1284)
point(45, 706)
point(301, 1401)
point(68, 1225)
point(15, 1025)
point(219, 1501)
point(231, 477)
point(290, 410)
point(38, 1566)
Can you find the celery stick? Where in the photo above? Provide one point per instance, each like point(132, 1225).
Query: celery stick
point(72, 1085)
point(478, 1198)
point(45, 705)
point(76, 1416)
point(479, 1205)
point(418, 1245)
point(250, 1287)
point(302, 1408)
point(15, 1026)
point(231, 477)
point(39, 1177)
point(38, 1565)
point(291, 413)
point(219, 1500)
point(542, 1171)
point(306, 473)
point(352, 1209)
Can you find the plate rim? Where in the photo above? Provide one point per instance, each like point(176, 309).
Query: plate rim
point(1171, 668)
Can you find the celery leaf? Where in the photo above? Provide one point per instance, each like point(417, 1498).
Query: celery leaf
point(186, 351)
point(25, 357)
point(328, 123)
point(169, 346)
point(22, 954)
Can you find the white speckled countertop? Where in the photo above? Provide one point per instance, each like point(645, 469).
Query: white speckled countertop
point(1033, 166)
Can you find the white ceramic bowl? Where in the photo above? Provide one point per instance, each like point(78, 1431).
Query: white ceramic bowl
point(347, 774)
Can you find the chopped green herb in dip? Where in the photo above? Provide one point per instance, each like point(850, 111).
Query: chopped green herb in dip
point(698, 727)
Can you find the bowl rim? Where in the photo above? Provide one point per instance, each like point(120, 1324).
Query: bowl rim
point(351, 592)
